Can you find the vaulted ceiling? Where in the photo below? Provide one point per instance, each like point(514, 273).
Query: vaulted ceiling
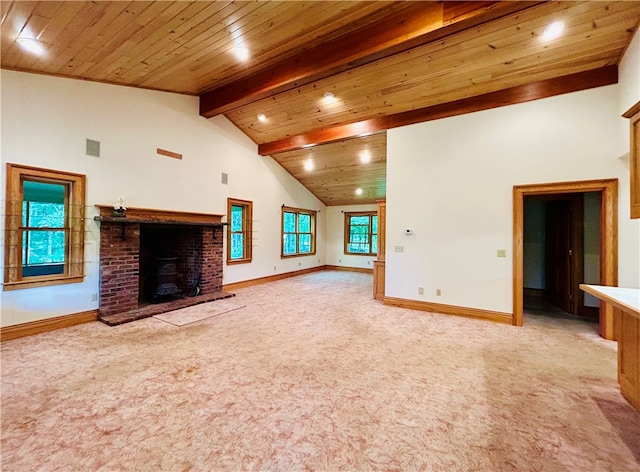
point(387, 64)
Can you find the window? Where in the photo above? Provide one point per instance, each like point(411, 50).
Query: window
point(45, 227)
point(361, 233)
point(298, 232)
point(239, 217)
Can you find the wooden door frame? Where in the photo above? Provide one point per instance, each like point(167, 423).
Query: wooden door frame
point(608, 189)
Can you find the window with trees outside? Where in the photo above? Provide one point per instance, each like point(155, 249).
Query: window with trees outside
point(298, 232)
point(361, 233)
point(45, 227)
point(239, 240)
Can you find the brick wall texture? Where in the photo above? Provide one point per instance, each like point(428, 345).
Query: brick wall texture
point(127, 266)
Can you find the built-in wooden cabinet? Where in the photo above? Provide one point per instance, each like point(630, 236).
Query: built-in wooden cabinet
point(378, 265)
point(634, 157)
point(625, 305)
point(629, 356)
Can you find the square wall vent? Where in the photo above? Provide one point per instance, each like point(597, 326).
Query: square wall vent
point(93, 148)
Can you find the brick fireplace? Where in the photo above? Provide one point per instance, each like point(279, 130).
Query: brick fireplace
point(130, 248)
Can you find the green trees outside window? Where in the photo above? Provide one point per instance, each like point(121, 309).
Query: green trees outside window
point(239, 233)
point(361, 233)
point(298, 232)
point(44, 227)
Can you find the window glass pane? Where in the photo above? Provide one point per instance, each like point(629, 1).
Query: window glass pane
point(289, 222)
point(237, 245)
point(42, 215)
point(374, 224)
point(360, 220)
point(43, 247)
point(359, 248)
point(359, 233)
point(236, 217)
point(43, 192)
point(360, 238)
point(374, 244)
point(305, 243)
point(305, 223)
point(289, 246)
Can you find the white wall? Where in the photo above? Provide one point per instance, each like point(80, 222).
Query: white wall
point(629, 82)
point(335, 238)
point(629, 74)
point(452, 179)
point(45, 122)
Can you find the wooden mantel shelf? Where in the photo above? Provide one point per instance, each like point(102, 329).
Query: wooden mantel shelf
point(147, 215)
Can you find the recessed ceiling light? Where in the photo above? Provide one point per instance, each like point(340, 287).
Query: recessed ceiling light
point(358, 191)
point(241, 52)
point(553, 31)
point(262, 117)
point(308, 165)
point(31, 44)
point(328, 97)
point(365, 156)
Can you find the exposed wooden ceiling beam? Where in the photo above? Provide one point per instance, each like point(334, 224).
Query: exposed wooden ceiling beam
point(511, 96)
point(417, 24)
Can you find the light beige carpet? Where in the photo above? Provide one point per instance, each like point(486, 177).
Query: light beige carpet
point(193, 314)
point(314, 375)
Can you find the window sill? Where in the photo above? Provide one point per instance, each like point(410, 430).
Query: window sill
point(306, 254)
point(373, 254)
point(34, 282)
point(238, 261)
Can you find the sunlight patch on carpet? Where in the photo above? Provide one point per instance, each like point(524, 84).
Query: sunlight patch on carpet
point(201, 312)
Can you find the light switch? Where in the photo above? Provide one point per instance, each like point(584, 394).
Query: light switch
point(502, 253)
point(398, 248)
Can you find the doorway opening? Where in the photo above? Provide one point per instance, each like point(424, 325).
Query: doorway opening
point(561, 251)
point(564, 206)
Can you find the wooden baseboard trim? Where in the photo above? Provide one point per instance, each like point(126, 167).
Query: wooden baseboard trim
point(477, 313)
point(533, 292)
point(50, 324)
point(362, 270)
point(270, 278)
point(590, 312)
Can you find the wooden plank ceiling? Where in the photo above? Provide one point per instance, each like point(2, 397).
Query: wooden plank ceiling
point(387, 63)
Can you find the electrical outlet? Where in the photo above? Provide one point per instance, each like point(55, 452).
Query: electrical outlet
point(420, 290)
point(438, 292)
point(274, 268)
point(299, 264)
point(340, 260)
point(94, 297)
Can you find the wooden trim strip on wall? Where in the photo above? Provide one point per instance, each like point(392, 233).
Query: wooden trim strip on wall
point(49, 324)
point(269, 278)
point(439, 308)
point(362, 270)
point(164, 152)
